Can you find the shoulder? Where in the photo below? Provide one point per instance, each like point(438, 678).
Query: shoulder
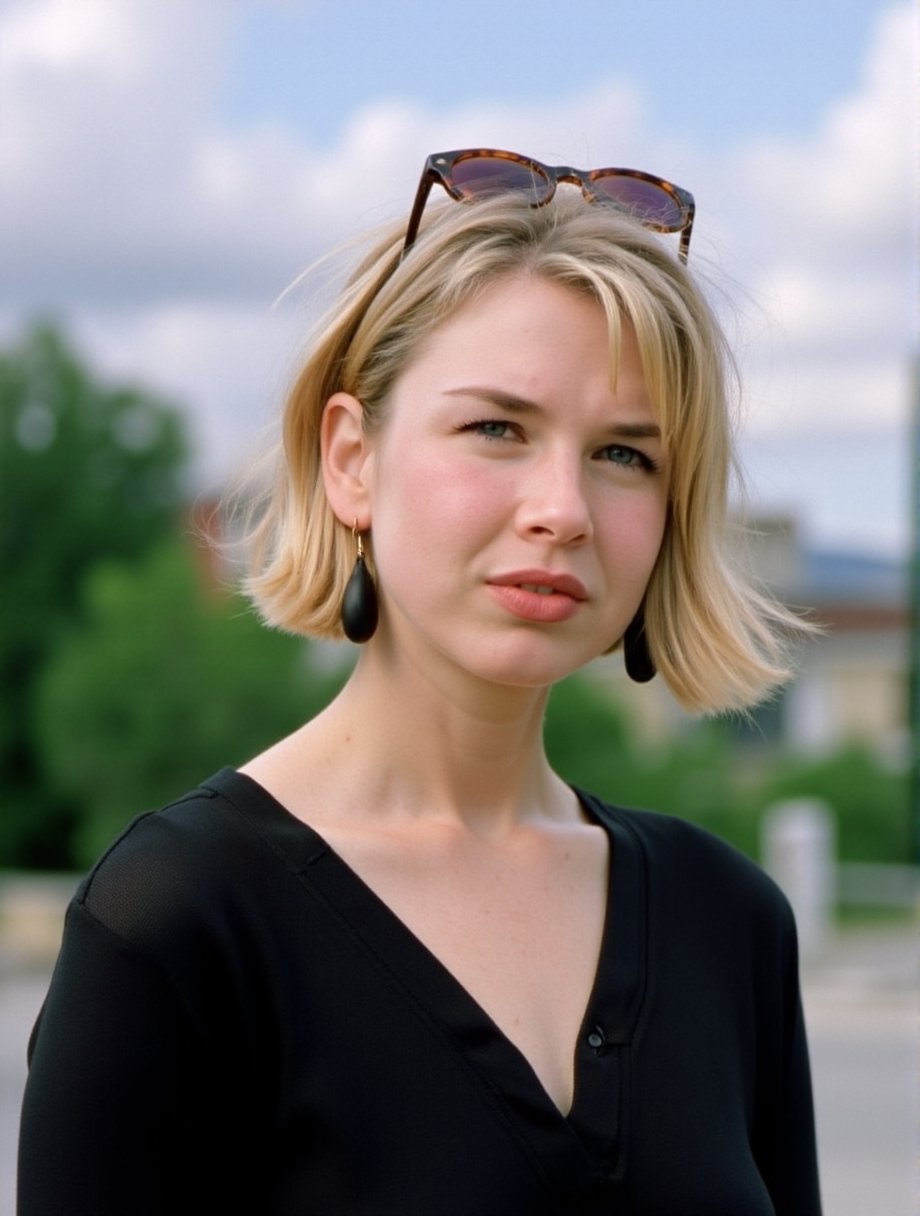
point(159, 846)
point(219, 846)
point(695, 866)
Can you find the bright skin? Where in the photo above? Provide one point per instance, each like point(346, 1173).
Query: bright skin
point(515, 503)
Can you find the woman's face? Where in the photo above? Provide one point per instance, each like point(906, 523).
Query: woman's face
point(517, 502)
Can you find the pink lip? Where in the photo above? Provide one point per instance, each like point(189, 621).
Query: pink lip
point(567, 594)
point(562, 584)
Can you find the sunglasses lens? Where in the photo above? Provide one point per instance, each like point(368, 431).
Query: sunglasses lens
point(648, 202)
point(478, 175)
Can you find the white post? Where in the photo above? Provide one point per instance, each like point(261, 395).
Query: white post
point(798, 848)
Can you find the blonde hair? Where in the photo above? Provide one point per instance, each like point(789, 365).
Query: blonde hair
point(718, 641)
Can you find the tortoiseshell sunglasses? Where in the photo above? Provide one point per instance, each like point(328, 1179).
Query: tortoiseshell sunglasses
point(472, 172)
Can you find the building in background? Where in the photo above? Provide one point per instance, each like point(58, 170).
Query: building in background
point(853, 680)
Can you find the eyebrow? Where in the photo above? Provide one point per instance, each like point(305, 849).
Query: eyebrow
point(521, 405)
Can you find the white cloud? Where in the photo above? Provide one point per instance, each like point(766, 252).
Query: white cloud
point(834, 235)
point(851, 189)
point(164, 232)
point(103, 105)
point(128, 185)
point(61, 34)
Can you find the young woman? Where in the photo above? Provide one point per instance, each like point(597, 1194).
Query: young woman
point(395, 966)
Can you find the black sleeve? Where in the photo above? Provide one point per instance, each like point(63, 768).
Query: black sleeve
point(786, 1142)
point(141, 1099)
point(115, 1094)
point(797, 1189)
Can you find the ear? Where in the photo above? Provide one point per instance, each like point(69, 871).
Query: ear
point(346, 460)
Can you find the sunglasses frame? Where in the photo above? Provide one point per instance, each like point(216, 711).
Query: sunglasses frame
point(439, 167)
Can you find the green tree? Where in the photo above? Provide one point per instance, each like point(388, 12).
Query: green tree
point(869, 800)
point(704, 775)
point(694, 775)
point(87, 471)
point(163, 682)
point(589, 740)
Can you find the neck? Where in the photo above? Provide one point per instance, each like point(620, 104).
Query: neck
point(422, 742)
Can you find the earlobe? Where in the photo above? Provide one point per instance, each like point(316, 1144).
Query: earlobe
point(345, 457)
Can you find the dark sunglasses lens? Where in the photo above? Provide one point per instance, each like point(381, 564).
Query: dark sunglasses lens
point(648, 202)
point(478, 175)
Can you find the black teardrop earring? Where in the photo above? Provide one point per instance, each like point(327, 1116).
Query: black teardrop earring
point(359, 603)
point(638, 661)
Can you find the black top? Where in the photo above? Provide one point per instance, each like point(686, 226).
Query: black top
point(238, 1024)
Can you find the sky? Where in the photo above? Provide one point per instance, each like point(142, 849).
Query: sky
point(169, 167)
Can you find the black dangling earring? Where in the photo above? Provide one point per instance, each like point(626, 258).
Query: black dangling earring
point(359, 603)
point(639, 664)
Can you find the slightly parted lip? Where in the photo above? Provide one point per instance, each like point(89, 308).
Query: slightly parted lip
point(564, 584)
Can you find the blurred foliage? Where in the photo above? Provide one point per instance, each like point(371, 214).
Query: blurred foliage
point(870, 800)
point(87, 471)
point(591, 743)
point(705, 777)
point(162, 682)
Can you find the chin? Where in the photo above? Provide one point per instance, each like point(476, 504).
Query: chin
point(524, 666)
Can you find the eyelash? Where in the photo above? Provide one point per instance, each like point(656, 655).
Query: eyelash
point(642, 461)
point(480, 424)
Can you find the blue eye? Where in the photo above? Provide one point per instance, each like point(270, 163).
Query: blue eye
point(489, 428)
point(492, 429)
point(626, 457)
point(620, 455)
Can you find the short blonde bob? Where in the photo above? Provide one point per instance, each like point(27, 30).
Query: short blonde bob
point(718, 641)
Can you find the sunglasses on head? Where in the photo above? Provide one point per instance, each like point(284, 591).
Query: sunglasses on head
point(474, 172)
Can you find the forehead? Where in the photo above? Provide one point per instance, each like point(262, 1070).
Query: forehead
point(531, 333)
point(516, 317)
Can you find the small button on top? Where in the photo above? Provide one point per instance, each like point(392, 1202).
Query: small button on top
point(596, 1038)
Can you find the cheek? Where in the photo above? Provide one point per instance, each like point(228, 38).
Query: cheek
point(633, 538)
point(425, 507)
point(452, 494)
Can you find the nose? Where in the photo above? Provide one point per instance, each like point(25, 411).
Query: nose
point(554, 505)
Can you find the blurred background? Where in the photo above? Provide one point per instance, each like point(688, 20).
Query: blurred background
point(170, 167)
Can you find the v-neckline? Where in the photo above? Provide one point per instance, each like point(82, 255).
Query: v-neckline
point(608, 1021)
